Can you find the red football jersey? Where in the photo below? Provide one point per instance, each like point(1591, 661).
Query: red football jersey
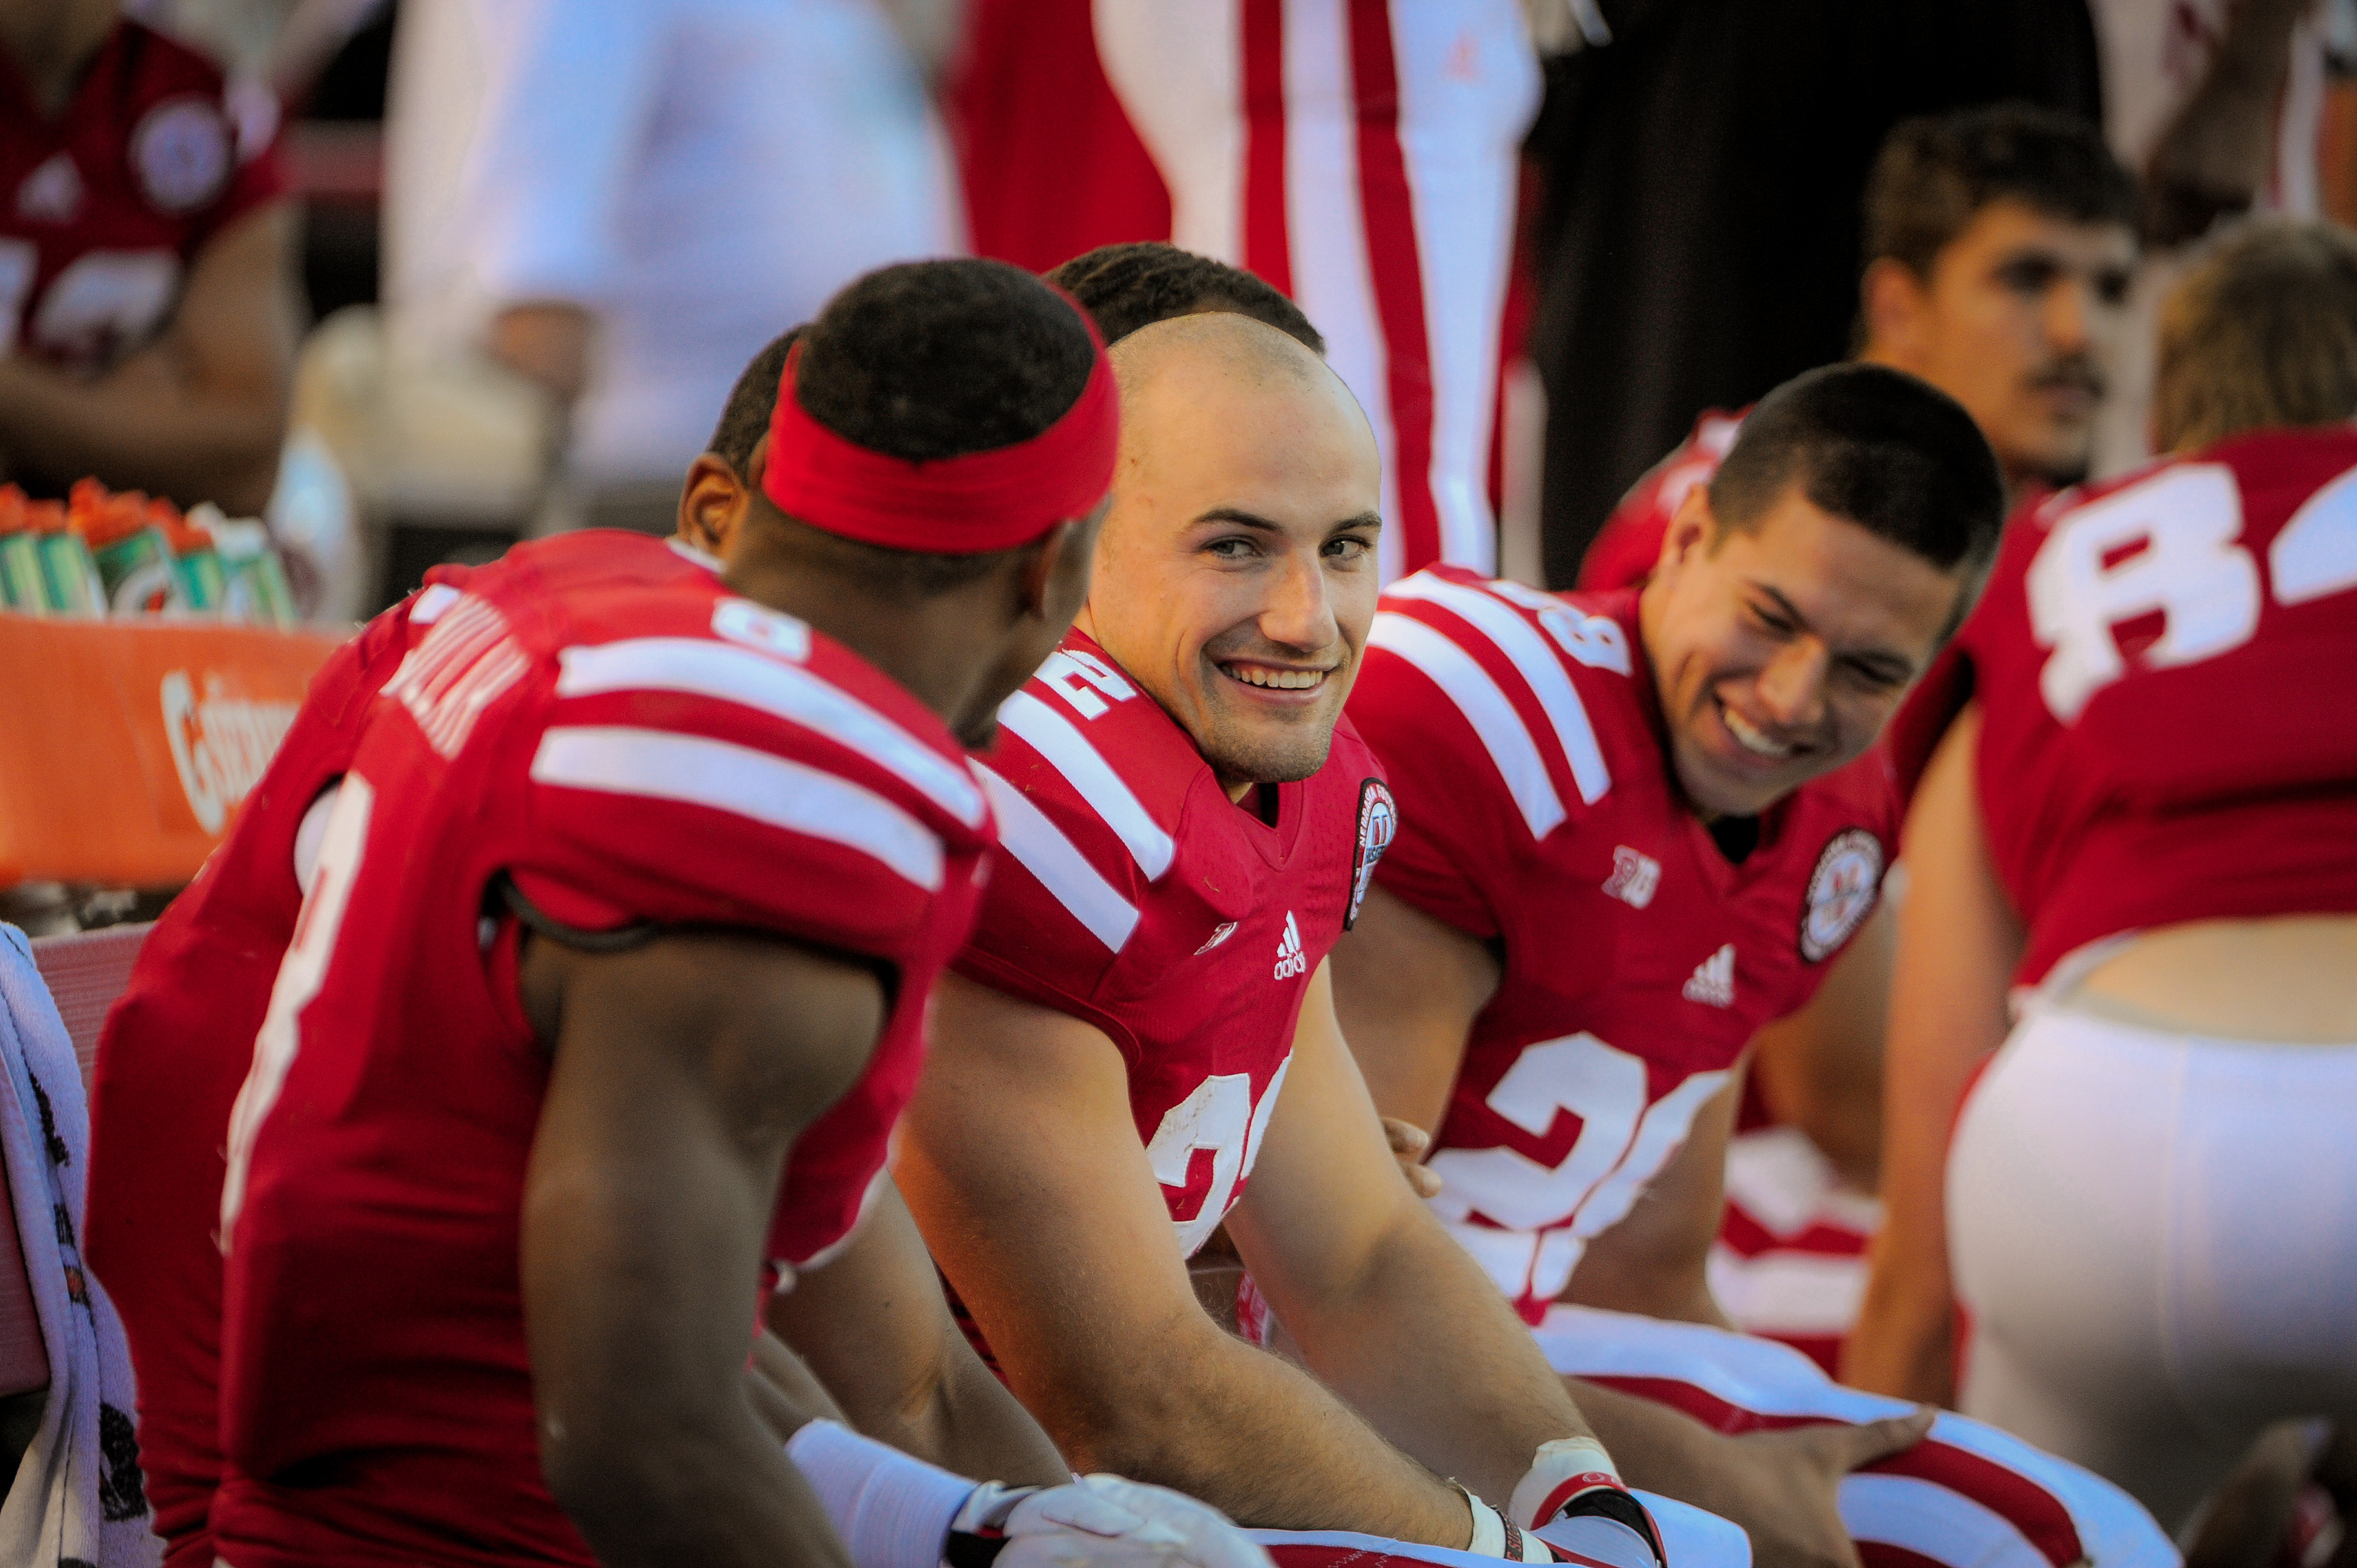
point(103, 208)
point(176, 1046)
point(650, 751)
point(1538, 812)
point(2167, 732)
point(1622, 553)
point(1133, 895)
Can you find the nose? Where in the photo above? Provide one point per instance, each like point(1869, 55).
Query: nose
point(1792, 687)
point(2069, 305)
point(1298, 612)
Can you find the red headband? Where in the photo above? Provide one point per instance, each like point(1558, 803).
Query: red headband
point(949, 506)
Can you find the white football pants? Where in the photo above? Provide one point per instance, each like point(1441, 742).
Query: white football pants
point(1966, 1496)
point(2155, 1237)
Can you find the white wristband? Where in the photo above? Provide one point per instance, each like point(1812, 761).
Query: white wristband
point(1493, 1537)
point(892, 1511)
point(1559, 1471)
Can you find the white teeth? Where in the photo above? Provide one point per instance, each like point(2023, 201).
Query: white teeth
point(1281, 679)
point(1752, 740)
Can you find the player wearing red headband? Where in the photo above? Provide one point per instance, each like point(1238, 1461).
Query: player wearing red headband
point(604, 996)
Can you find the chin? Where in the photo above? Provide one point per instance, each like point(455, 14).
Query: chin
point(1269, 758)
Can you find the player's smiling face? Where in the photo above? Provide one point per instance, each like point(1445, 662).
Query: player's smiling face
point(1236, 578)
point(1779, 651)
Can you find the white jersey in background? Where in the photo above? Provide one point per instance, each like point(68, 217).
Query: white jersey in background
point(1361, 155)
point(698, 174)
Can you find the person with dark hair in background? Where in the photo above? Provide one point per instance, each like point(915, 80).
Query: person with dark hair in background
point(2133, 898)
point(1999, 247)
point(1700, 235)
point(148, 311)
point(1127, 286)
point(1632, 828)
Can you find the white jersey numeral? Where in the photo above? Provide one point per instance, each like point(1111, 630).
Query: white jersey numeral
point(2188, 568)
point(1218, 1117)
point(2171, 545)
point(1623, 1140)
point(1089, 683)
point(300, 975)
point(20, 263)
point(105, 303)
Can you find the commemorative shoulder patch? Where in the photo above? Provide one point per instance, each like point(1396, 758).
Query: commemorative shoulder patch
point(1842, 890)
point(1378, 820)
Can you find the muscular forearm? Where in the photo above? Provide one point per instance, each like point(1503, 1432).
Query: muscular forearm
point(1478, 1411)
point(1258, 1439)
point(1653, 1446)
point(968, 1423)
point(140, 429)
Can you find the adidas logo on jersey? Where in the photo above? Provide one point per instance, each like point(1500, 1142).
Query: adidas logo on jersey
point(1290, 960)
point(1712, 981)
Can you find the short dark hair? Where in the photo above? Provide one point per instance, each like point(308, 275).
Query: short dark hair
point(922, 361)
point(1128, 286)
point(1889, 452)
point(1934, 175)
point(745, 418)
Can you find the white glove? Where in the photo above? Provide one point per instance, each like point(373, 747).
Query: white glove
point(1100, 1521)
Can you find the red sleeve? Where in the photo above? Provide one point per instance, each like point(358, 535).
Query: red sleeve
point(1447, 856)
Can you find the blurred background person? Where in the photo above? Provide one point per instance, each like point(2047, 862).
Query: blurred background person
point(1701, 229)
point(2144, 829)
point(1359, 156)
point(149, 309)
point(618, 201)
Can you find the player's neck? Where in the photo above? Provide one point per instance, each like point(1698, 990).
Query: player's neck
point(51, 44)
point(930, 647)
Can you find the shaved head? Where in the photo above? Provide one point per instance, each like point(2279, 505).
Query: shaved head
point(1235, 575)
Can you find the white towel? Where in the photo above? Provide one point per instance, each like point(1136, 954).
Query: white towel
point(78, 1500)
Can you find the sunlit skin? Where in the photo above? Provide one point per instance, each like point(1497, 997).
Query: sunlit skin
point(2021, 321)
point(1241, 543)
point(1781, 650)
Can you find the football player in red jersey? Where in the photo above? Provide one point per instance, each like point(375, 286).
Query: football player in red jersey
point(636, 799)
point(1633, 828)
point(1139, 1043)
point(2145, 826)
point(148, 317)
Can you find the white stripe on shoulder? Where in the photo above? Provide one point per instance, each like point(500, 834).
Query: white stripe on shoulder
point(1025, 832)
point(1537, 664)
point(1068, 751)
point(1503, 735)
point(725, 777)
point(427, 607)
point(706, 669)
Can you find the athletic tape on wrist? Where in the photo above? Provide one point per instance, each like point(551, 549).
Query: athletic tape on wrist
point(892, 1511)
point(1496, 1536)
point(1559, 1472)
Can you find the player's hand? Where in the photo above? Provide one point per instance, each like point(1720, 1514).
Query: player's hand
point(1105, 1521)
point(1781, 1485)
point(1408, 1145)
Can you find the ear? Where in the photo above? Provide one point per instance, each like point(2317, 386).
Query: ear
point(713, 505)
point(1692, 528)
point(1053, 575)
point(1896, 303)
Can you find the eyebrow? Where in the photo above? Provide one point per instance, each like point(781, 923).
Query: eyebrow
point(1897, 665)
point(1243, 519)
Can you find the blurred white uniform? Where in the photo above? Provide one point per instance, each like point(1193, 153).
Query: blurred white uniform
point(700, 175)
point(1361, 155)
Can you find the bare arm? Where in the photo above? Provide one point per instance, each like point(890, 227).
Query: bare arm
point(1021, 1162)
point(873, 1327)
point(683, 1072)
point(1959, 942)
point(1388, 1310)
point(1820, 1069)
point(200, 414)
point(1406, 990)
